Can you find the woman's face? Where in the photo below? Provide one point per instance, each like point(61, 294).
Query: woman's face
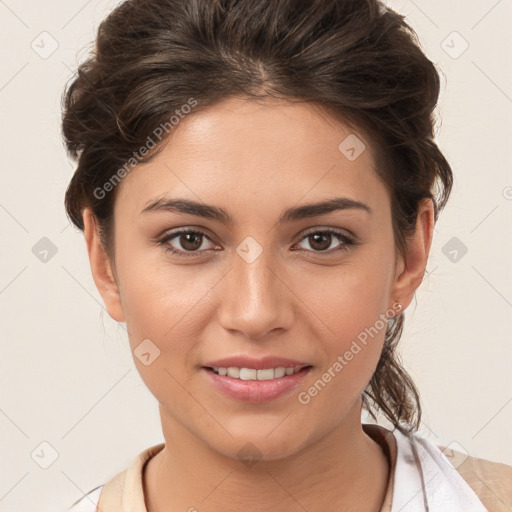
point(264, 284)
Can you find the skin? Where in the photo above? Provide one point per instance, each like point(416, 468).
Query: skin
point(255, 160)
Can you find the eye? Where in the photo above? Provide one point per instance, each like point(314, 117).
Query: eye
point(190, 241)
point(322, 240)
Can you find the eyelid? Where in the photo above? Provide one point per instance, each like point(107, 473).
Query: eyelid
point(346, 238)
point(328, 229)
point(164, 239)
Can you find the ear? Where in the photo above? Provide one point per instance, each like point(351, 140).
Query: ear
point(411, 269)
point(101, 267)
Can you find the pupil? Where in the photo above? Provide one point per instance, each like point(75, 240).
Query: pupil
point(317, 237)
point(187, 237)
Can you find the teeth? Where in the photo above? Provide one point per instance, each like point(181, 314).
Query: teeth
point(252, 374)
point(248, 374)
point(233, 372)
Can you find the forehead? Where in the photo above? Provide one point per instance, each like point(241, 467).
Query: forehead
point(267, 152)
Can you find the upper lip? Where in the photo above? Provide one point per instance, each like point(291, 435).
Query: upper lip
point(256, 364)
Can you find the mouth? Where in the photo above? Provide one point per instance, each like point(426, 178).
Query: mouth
point(255, 385)
point(262, 374)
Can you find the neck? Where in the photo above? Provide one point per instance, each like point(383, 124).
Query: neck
point(333, 473)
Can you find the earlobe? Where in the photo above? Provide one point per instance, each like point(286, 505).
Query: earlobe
point(101, 267)
point(412, 268)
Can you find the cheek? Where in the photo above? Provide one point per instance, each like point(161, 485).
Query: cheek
point(164, 303)
point(170, 306)
point(351, 348)
point(352, 303)
point(165, 315)
point(350, 298)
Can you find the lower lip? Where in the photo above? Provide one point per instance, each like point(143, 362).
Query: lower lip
point(255, 391)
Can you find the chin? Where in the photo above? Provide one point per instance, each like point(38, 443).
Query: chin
point(255, 446)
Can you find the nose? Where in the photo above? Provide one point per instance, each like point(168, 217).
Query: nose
point(256, 300)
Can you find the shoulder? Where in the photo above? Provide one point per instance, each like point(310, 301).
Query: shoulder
point(491, 481)
point(126, 485)
point(87, 503)
point(104, 497)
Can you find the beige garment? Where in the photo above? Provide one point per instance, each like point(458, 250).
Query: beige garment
point(491, 481)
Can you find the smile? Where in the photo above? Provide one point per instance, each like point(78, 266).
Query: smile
point(252, 374)
point(249, 385)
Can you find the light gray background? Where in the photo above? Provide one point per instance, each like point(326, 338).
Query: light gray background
point(67, 377)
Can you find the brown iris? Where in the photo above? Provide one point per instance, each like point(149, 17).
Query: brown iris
point(316, 239)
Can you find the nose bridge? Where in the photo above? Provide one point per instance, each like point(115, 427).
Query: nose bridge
point(253, 301)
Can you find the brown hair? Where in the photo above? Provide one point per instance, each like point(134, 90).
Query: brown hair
point(357, 59)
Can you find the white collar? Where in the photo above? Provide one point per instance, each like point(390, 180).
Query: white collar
point(425, 481)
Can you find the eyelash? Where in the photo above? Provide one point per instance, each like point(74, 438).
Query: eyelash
point(342, 237)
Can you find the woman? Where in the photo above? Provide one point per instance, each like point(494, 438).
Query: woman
point(258, 184)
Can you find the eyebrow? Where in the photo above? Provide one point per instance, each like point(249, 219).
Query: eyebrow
point(291, 214)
